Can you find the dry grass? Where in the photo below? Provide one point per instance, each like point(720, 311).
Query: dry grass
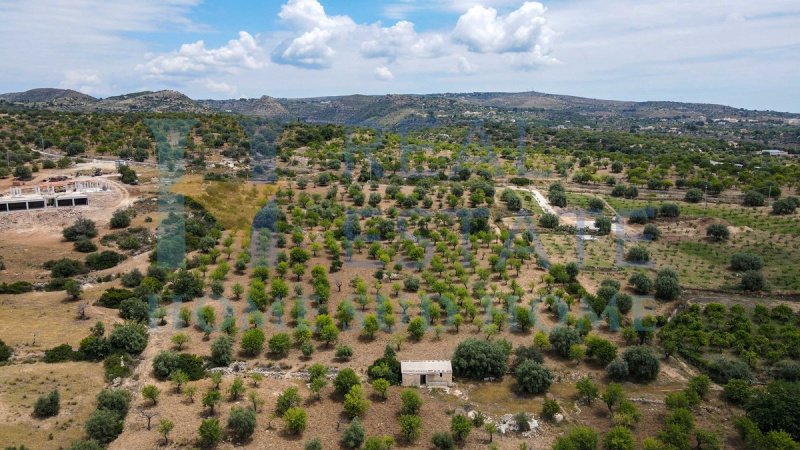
point(233, 204)
point(20, 385)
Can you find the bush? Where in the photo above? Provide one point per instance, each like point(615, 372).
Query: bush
point(410, 427)
point(253, 341)
point(115, 400)
point(784, 206)
point(550, 408)
point(353, 435)
point(669, 210)
point(113, 297)
point(617, 369)
point(103, 260)
point(65, 268)
point(718, 232)
point(532, 378)
point(120, 219)
point(603, 225)
point(280, 344)
point(443, 441)
point(103, 426)
point(80, 229)
point(241, 423)
point(651, 232)
point(601, 350)
point(666, 285)
point(548, 221)
point(578, 438)
point(47, 405)
point(478, 359)
point(411, 284)
point(738, 391)
point(753, 198)
point(693, 195)
point(5, 352)
point(753, 280)
point(84, 246)
point(741, 262)
point(83, 445)
point(722, 370)
point(641, 283)
point(221, 351)
point(59, 353)
point(411, 402)
point(643, 364)
point(460, 426)
point(562, 338)
point(619, 438)
point(775, 408)
point(345, 379)
point(787, 370)
point(130, 338)
point(134, 309)
point(637, 254)
point(17, 287)
point(210, 433)
point(355, 404)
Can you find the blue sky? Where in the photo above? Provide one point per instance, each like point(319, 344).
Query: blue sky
point(734, 52)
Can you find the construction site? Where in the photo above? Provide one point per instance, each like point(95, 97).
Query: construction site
point(51, 194)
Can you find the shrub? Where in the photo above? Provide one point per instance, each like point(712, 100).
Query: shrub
point(5, 352)
point(753, 280)
point(355, 404)
point(666, 285)
point(411, 402)
point(47, 405)
point(103, 426)
point(619, 438)
point(134, 309)
point(775, 408)
point(129, 338)
point(120, 219)
point(253, 341)
point(550, 408)
point(737, 391)
point(637, 254)
point(103, 260)
point(81, 229)
point(784, 206)
point(532, 378)
point(741, 262)
point(643, 364)
point(85, 246)
point(669, 210)
point(651, 232)
point(115, 400)
point(693, 195)
point(353, 435)
point(753, 198)
point(722, 370)
point(700, 384)
point(345, 379)
point(221, 351)
point(601, 350)
point(287, 399)
point(562, 338)
point(410, 427)
point(65, 268)
point(718, 232)
point(210, 433)
point(617, 369)
point(787, 370)
point(443, 441)
point(548, 221)
point(241, 423)
point(578, 438)
point(280, 344)
point(460, 426)
point(416, 328)
point(603, 225)
point(478, 359)
point(641, 283)
point(113, 297)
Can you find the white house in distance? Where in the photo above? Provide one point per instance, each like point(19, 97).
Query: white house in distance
point(433, 373)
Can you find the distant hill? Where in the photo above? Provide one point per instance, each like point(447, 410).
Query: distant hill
point(409, 111)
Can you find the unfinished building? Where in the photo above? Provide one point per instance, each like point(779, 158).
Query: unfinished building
point(62, 194)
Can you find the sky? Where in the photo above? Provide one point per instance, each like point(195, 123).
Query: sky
point(734, 52)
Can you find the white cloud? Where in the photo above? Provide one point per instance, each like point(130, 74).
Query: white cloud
point(85, 81)
point(242, 53)
point(464, 66)
point(524, 33)
point(383, 74)
point(401, 40)
point(218, 86)
point(314, 31)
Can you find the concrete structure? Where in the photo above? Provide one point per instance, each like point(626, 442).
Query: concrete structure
point(65, 194)
point(774, 152)
point(434, 373)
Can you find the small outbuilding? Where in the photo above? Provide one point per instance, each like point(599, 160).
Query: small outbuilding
point(435, 373)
